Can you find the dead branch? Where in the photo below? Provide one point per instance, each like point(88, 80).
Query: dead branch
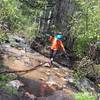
point(20, 71)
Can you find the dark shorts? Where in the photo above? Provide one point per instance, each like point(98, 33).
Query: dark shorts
point(53, 53)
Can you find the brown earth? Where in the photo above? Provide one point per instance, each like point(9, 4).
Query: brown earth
point(20, 60)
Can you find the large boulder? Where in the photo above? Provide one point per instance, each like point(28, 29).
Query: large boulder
point(19, 42)
point(58, 95)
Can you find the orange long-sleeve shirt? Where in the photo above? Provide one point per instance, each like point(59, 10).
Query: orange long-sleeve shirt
point(56, 44)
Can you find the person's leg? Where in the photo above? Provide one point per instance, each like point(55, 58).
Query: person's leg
point(53, 54)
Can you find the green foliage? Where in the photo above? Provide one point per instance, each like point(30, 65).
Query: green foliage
point(86, 24)
point(4, 79)
point(97, 68)
point(84, 96)
point(84, 68)
point(79, 74)
point(8, 89)
point(21, 15)
point(1, 64)
point(2, 36)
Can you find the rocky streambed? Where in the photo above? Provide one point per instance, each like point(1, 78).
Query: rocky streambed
point(45, 82)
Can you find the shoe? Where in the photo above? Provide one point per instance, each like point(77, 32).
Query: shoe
point(51, 59)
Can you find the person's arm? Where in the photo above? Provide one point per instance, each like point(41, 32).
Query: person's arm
point(51, 38)
point(62, 46)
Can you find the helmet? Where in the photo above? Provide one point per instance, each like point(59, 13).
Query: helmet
point(59, 36)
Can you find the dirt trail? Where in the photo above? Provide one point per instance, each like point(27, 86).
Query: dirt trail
point(20, 60)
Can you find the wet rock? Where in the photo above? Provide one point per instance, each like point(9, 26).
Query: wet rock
point(16, 38)
point(22, 96)
point(9, 97)
point(46, 65)
point(79, 85)
point(19, 42)
point(63, 79)
point(29, 96)
point(56, 69)
point(15, 84)
point(70, 79)
point(51, 80)
point(58, 95)
point(59, 75)
point(4, 47)
point(85, 85)
point(56, 64)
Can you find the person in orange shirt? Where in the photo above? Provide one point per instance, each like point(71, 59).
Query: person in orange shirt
point(57, 44)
